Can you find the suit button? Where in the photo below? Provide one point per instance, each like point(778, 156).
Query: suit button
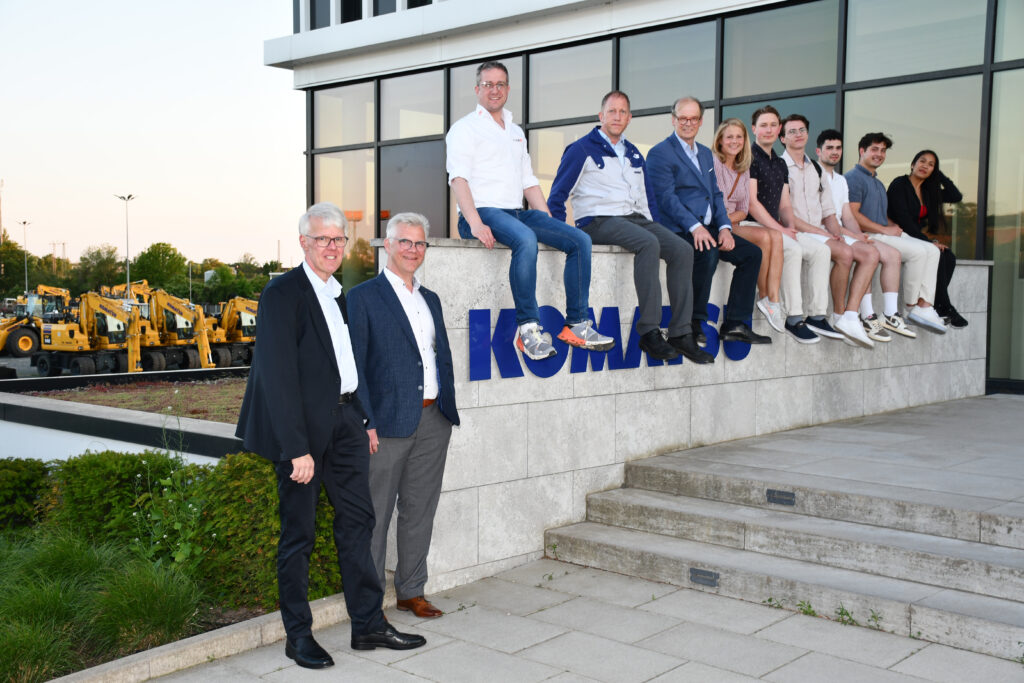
point(419, 363)
point(419, 388)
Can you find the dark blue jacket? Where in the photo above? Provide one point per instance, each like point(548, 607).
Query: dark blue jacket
point(683, 192)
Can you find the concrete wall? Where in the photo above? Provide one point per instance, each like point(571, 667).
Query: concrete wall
point(530, 449)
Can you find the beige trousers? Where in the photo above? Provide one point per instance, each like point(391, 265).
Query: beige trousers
point(805, 249)
point(920, 266)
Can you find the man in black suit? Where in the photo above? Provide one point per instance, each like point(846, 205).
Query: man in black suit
point(407, 386)
point(301, 412)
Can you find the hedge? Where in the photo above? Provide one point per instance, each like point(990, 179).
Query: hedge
point(22, 482)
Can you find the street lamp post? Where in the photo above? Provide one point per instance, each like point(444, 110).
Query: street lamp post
point(24, 233)
point(127, 253)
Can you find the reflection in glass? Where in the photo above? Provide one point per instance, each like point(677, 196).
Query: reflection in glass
point(462, 97)
point(413, 178)
point(343, 116)
point(570, 82)
point(346, 179)
point(647, 131)
point(319, 13)
point(656, 68)
point(1009, 27)
point(819, 109)
point(781, 49)
point(383, 7)
point(546, 146)
point(885, 38)
point(411, 106)
point(939, 115)
point(1005, 226)
point(351, 10)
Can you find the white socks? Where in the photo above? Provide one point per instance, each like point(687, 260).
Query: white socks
point(890, 302)
point(866, 309)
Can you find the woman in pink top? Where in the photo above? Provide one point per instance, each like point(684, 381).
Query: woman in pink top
point(731, 149)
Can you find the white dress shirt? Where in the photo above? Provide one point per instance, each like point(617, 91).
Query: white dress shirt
point(492, 159)
point(840, 192)
point(327, 294)
point(422, 323)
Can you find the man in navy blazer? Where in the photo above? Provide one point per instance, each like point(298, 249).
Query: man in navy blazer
point(690, 203)
point(301, 412)
point(407, 386)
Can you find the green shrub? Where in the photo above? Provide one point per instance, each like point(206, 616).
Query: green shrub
point(22, 481)
point(172, 530)
point(241, 563)
point(95, 494)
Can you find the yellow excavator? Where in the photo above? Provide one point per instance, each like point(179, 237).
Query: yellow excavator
point(19, 335)
point(182, 330)
point(103, 338)
point(234, 329)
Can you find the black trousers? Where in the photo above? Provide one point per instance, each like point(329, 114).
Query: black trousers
point(344, 473)
point(747, 259)
point(947, 262)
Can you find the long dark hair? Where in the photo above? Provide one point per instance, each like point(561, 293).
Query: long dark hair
point(931, 195)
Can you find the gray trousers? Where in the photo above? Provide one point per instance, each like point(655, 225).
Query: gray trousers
point(649, 242)
point(409, 471)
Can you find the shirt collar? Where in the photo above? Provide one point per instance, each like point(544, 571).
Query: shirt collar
point(621, 144)
point(331, 288)
point(506, 115)
point(396, 281)
point(693, 150)
point(861, 168)
point(791, 162)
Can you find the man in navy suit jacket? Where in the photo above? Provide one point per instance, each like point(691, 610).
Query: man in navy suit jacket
point(407, 386)
point(301, 412)
point(690, 203)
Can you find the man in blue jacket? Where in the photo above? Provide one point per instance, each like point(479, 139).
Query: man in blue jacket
point(407, 387)
point(604, 177)
point(690, 203)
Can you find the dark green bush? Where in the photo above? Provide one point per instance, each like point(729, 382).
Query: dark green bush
point(30, 652)
point(95, 494)
point(22, 481)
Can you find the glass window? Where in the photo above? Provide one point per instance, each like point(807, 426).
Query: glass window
point(413, 4)
point(351, 10)
point(885, 38)
point(346, 179)
point(413, 178)
point(411, 106)
point(781, 49)
point(383, 7)
point(656, 68)
point(319, 13)
point(1009, 27)
point(571, 82)
point(546, 146)
point(820, 110)
point(462, 96)
point(1005, 226)
point(343, 116)
point(940, 115)
point(647, 131)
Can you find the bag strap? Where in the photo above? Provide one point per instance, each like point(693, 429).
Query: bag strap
point(734, 184)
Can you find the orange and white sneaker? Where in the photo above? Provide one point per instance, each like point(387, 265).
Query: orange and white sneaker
point(584, 336)
point(534, 343)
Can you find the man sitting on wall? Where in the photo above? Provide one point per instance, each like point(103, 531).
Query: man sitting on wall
point(690, 204)
point(490, 173)
point(604, 176)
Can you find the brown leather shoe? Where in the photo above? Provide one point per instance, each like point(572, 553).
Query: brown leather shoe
point(420, 607)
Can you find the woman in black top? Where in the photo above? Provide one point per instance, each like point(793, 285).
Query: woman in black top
point(915, 204)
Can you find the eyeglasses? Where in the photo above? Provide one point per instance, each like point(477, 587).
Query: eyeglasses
point(407, 245)
point(796, 131)
point(687, 120)
point(488, 85)
point(323, 240)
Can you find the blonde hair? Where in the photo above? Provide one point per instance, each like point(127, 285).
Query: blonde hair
point(744, 157)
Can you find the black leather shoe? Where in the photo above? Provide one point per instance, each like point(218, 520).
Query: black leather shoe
point(698, 332)
point(955, 319)
point(655, 346)
point(387, 637)
point(686, 344)
point(307, 653)
point(741, 332)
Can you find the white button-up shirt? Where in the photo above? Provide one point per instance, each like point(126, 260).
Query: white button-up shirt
point(422, 323)
point(327, 294)
point(810, 196)
point(840, 193)
point(492, 159)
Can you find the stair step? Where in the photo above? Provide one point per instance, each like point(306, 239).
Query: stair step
point(951, 563)
point(938, 513)
point(965, 620)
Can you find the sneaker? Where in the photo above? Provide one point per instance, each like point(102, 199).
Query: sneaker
point(822, 328)
point(802, 334)
point(855, 332)
point(772, 312)
point(896, 323)
point(927, 318)
point(584, 336)
point(875, 329)
point(534, 343)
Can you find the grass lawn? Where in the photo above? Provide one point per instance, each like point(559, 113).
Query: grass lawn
point(217, 400)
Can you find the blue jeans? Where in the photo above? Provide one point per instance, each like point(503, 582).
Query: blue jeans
point(521, 230)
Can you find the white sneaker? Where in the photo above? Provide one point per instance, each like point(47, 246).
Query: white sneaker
point(927, 318)
point(875, 329)
point(897, 324)
point(772, 313)
point(854, 330)
point(534, 343)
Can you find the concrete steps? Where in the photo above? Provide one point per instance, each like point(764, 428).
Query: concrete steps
point(937, 566)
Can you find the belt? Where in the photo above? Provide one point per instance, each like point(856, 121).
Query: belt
point(429, 402)
point(344, 399)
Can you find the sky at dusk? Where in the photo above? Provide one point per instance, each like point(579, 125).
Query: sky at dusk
point(169, 101)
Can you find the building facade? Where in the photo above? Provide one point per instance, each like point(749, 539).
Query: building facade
point(384, 80)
